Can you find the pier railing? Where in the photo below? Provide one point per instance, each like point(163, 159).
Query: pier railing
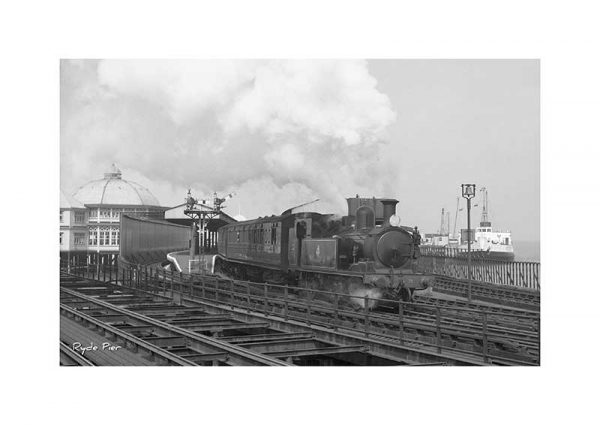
point(521, 274)
point(442, 251)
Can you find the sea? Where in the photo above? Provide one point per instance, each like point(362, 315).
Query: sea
point(526, 250)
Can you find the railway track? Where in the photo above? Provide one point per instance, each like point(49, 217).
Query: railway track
point(172, 344)
point(70, 357)
point(193, 336)
point(475, 305)
point(498, 334)
point(150, 354)
point(497, 294)
point(505, 344)
point(509, 336)
point(523, 320)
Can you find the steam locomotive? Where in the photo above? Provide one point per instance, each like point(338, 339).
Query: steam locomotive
point(366, 253)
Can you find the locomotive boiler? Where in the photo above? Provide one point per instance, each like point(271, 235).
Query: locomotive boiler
point(365, 253)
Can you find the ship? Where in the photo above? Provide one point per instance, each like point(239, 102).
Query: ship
point(487, 242)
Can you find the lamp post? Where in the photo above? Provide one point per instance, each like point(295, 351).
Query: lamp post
point(468, 192)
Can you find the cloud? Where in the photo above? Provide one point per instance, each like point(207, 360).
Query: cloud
point(321, 99)
point(184, 88)
point(285, 132)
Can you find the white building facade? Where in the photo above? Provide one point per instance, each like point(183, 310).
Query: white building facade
point(92, 222)
point(73, 225)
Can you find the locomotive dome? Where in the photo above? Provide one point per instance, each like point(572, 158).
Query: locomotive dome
point(113, 190)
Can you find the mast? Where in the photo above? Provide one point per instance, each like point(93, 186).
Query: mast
point(485, 222)
point(442, 225)
point(456, 217)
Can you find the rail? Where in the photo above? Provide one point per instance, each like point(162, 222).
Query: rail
point(129, 340)
point(520, 274)
point(508, 296)
point(70, 357)
point(236, 354)
point(444, 324)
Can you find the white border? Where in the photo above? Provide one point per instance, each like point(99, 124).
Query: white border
point(35, 35)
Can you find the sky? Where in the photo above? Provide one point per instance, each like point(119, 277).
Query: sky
point(280, 133)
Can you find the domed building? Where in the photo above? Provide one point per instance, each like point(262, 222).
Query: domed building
point(104, 201)
point(112, 190)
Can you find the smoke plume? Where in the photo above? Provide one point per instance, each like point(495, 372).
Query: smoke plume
point(278, 133)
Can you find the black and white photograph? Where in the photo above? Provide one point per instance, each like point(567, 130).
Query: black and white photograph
point(299, 212)
point(392, 202)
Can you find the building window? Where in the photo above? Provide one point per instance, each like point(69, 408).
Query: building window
point(104, 236)
point(79, 217)
point(114, 236)
point(93, 239)
point(61, 234)
point(79, 239)
point(61, 217)
point(93, 213)
point(115, 214)
point(104, 213)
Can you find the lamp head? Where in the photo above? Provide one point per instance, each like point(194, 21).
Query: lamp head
point(468, 191)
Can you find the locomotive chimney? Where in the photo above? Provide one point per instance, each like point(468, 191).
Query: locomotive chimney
point(389, 209)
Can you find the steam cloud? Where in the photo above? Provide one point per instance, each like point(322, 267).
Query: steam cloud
point(279, 133)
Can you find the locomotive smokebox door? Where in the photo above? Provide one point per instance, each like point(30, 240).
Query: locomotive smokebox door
point(394, 249)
